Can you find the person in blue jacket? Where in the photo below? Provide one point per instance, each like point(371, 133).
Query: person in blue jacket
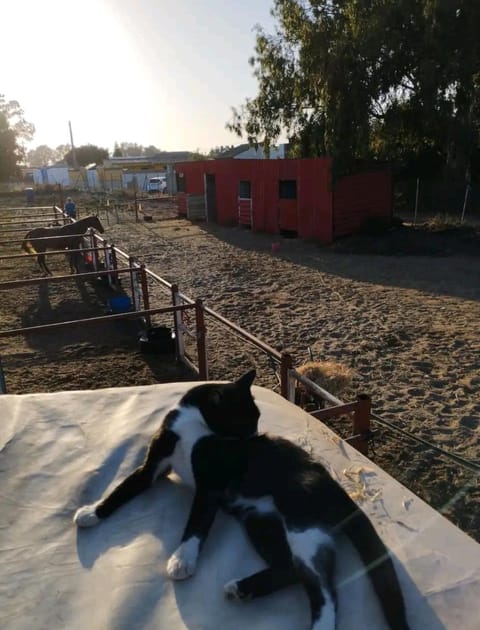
point(70, 208)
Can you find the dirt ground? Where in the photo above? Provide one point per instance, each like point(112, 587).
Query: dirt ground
point(84, 357)
point(401, 308)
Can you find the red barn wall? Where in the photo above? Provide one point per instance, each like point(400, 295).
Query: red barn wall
point(316, 213)
point(182, 204)
point(228, 174)
point(357, 197)
point(310, 215)
point(193, 173)
point(315, 200)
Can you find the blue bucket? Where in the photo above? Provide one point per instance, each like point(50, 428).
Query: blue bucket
point(120, 304)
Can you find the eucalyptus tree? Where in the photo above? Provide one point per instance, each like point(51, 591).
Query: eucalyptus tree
point(356, 79)
point(14, 132)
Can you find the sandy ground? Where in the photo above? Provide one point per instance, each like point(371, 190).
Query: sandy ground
point(407, 324)
point(86, 357)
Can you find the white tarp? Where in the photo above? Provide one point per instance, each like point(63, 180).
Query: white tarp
point(62, 450)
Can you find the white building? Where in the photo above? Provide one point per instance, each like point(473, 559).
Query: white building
point(247, 152)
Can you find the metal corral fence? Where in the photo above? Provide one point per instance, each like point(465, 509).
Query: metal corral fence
point(215, 348)
point(422, 199)
point(136, 208)
point(227, 349)
point(191, 319)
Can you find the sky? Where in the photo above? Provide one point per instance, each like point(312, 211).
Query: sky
point(146, 71)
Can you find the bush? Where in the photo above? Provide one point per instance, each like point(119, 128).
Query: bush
point(376, 226)
point(441, 222)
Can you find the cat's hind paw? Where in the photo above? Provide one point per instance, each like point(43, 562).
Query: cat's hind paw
point(183, 561)
point(86, 516)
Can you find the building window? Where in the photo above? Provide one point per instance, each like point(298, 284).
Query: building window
point(245, 190)
point(181, 183)
point(287, 189)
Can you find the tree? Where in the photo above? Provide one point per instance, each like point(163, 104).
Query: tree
point(14, 130)
point(198, 155)
point(60, 152)
point(356, 79)
point(44, 155)
point(87, 154)
point(132, 149)
point(117, 151)
point(216, 152)
point(40, 156)
point(151, 150)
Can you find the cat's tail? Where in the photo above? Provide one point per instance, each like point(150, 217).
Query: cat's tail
point(380, 568)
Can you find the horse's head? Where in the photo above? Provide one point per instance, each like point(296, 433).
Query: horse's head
point(97, 225)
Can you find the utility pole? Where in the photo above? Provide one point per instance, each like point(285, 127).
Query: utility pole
point(74, 154)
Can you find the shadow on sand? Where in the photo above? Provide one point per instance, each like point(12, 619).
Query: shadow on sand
point(441, 263)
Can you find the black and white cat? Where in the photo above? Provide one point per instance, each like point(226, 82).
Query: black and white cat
point(290, 506)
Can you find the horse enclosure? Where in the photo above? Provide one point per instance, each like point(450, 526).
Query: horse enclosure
point(67, 332)
point(62, 331)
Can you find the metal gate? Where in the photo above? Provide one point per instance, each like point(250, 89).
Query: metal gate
point(196, 210)
point(245, 212)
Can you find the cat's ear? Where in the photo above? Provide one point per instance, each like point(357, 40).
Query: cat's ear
point(247, 379)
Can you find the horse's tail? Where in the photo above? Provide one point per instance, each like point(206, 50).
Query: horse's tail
point(27, 246)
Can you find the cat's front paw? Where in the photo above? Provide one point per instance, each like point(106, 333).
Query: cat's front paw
point(86, 516)
point(183, 561)
point(233, 591)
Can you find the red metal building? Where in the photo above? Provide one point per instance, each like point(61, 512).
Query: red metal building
point(282, 196)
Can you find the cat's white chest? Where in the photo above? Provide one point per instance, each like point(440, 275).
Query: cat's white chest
point(190, 426)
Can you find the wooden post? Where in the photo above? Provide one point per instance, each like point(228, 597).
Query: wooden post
point(201, 341)
point(177, 321)
point(286, 364)
point(361, 423)
point(146, 298)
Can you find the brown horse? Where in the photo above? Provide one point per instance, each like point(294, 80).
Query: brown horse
point(67, 236)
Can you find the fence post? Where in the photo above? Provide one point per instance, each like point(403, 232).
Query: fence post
point(62, 198)
point(201, 341)
point(178, 325)
point(108, 262)
point(107, 208)
point(132, 281)
point(94, 253)
point(113, 278)
point(286, 364)
point(3, 385)
point(136, 207)
point(134, 267)
point(361, 423)
point(467, 191)
point(146, 298)
point(416, 202)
